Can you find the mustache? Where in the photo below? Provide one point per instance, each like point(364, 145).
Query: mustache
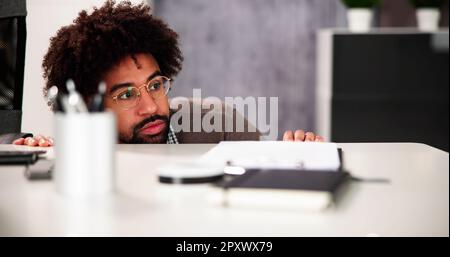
point(152, 118)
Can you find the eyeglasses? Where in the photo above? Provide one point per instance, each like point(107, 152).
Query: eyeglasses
point(129, 98)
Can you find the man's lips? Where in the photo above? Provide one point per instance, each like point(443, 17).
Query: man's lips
point(153, 128)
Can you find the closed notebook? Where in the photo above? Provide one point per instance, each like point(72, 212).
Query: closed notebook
point(282, 189)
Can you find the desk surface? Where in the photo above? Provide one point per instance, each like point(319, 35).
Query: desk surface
point(414, 203)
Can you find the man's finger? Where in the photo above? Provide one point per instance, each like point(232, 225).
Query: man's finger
point(43, 142)
point(50, 141)
point(18, 141)
point(38, 137)
point(299, 135)
point(319, 139)
point(29, 141)
point(288, 136)
point(26, 140)
point(309, 137)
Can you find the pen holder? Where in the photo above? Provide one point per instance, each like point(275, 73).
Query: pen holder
point(84, 154)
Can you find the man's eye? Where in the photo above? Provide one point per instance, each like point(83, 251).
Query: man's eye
point(127, 95)
point(155, 85)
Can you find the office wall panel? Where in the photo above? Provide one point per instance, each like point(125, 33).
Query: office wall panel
point(252, 48)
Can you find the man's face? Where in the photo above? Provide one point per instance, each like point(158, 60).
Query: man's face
point(148, 121)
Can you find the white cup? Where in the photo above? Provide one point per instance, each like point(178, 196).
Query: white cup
point(84, 154)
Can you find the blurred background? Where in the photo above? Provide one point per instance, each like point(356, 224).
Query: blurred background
point(252, 48)
point(271, 48)
point(263, 48)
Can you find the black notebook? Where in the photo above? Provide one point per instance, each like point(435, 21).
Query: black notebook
point(283, 188)
point(327, 181)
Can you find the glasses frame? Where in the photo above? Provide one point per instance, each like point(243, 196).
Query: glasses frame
point(145, 85)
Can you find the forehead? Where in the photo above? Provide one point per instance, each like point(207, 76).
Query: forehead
point(132, 69)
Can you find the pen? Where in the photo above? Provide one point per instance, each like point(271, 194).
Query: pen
point(54, 99)
point(97, 101)
point(59, 100)
point(75, 101)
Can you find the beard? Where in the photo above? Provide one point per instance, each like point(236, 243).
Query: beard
point(137, 138)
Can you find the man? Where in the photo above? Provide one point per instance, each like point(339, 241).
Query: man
point(136, 55)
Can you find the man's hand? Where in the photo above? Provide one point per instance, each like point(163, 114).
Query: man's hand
point(301, 136)
point(38, 140)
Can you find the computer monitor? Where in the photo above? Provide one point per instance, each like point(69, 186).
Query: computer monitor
point(12, 58)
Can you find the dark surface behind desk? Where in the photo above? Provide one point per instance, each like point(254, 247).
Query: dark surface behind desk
point(12, 63)
point(390, 87)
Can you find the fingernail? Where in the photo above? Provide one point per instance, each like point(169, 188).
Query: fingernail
point(42, 142)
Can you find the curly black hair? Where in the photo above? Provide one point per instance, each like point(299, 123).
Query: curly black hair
point(85, 50)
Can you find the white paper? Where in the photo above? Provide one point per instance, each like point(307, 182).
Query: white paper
point(275, 155)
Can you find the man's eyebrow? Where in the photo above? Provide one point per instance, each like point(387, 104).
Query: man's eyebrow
point(129, 84)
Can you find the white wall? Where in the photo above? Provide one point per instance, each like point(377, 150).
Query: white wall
point(44, 19)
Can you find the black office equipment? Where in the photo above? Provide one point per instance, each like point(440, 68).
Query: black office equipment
point(324, 181)
point(388, 85)
point(280, 189)
point(12, 63)
point(284, 189)
point(19, 157)
point(10, 137)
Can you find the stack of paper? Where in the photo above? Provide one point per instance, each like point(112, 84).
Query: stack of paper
point(275, 155)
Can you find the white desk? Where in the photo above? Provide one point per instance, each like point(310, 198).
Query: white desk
point(415, 203)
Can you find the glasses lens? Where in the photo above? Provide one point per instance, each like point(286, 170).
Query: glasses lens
point(128, 98)
point(159, 87)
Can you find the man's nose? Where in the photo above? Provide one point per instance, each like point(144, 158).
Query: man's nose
point(147, 104)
